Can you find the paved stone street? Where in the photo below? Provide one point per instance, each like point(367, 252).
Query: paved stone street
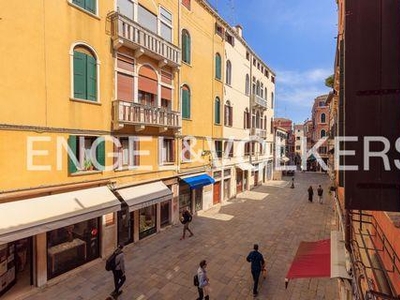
point(162, 267)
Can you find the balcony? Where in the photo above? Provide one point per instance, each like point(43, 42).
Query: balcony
point(140, 116)
point(262, 133)
point(128, 33)
point(258, 101)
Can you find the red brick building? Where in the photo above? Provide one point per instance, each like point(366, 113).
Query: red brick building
point(320, 121)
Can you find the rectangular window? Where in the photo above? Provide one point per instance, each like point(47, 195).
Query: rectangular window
point(128, 153)
point(147, 221)
point(218, 148)
point(219, 30)
point(83, 148)
point(89, 5)
point(147, 19)
point(186, 150)
point(247, 55)
point(254, 62)
point(247, 149)
point(186, 3)
point(297, 147)
point(228, 115)
point(166, 24)
point(272, 79)
point(125, 7)
point(167, 150)
point(125, 79)
point(266, 73)
point(228, 148)
point(229, 38)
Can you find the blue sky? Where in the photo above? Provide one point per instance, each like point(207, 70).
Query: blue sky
point(296, 39)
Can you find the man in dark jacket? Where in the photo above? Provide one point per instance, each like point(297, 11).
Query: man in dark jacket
point(257, 264)
point(185, 220)
point(119, 271)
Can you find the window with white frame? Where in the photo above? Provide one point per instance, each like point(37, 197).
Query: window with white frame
point(125, 7)
point(88, 5)
point(165, 24)
point(88, 153)
point(166, 150)
point(147, 19)
point(228, 77)
point(127, 153)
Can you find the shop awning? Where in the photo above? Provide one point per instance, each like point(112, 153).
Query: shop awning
point(338, 257)
point(198, 181)
point(313, 259)
point(245, 166)
point(20, 219)
point(144, 195)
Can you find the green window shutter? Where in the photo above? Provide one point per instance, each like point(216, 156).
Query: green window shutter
point(218, 66)
point(185, 104)
point(184, 53)
point(187, 49)
point(101, 153)
point(90, 5)
point(217, 112)
point(73, 145)
point(79, 3)
point(91, 79)
point(79, 75)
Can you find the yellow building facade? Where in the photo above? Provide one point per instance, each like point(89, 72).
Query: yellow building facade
point(109, 128)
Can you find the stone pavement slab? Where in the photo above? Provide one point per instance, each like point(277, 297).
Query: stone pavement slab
point(162, 267)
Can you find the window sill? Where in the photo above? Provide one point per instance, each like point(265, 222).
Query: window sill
point(83, 173)
point(84, 10)
point(85, 101)
point(185, 119)
point(187, 64)
point(128, 168)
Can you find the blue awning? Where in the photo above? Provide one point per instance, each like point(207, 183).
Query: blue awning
point(199, 181)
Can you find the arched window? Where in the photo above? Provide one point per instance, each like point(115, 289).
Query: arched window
point(246, 119)
point(247, 87)
point(228, 114)
point(186, 46)
point(266, 94)
point(217, 111)
point(228, 72)
point(85, 73)
point(272, 99)
point(217, 66)
point(323, 133)
point(323, 118)
point(185, 91)
point(258, 88)
point(258, 119)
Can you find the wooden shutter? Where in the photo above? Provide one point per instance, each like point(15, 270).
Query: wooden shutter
point(186, 3)
point(136, 146)
point(218, 66)
point(166, 93)
point(101, 153)
point(147, 85)
point(172, 152)
point(124, 87)
point(91, 79)
point(185, 103)
point(79, 75)
point(73, 145)
point(217, 111)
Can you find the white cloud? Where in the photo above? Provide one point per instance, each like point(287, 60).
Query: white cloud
point(307, 77)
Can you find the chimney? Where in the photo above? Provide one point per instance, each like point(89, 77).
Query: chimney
point(239, 30)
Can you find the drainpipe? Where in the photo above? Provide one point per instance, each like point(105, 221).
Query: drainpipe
point(347, 232)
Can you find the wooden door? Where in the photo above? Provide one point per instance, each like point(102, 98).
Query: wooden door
point(217, 192)
point(239, 182)
point(255, 178)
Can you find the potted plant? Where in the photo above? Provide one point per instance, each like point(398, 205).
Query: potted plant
point(88, 165)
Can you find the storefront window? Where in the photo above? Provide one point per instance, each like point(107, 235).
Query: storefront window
point(198, 200)
point(165, 212)
point(185, 200)
point(71, 246)
point(125, 226)
point(147, 221)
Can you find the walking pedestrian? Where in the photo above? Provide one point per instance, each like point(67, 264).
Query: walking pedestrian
point(310, 193)
point(185, 220)
point(320, 192)
point(204, 282)
point(257, 264)
point(119, 271)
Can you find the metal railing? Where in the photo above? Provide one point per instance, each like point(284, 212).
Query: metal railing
point(258, 132)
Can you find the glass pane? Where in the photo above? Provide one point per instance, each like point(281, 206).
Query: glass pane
point(165, 16)
point(166, 32)
point(125, 7)
point(147, 19)
point(147, 221)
